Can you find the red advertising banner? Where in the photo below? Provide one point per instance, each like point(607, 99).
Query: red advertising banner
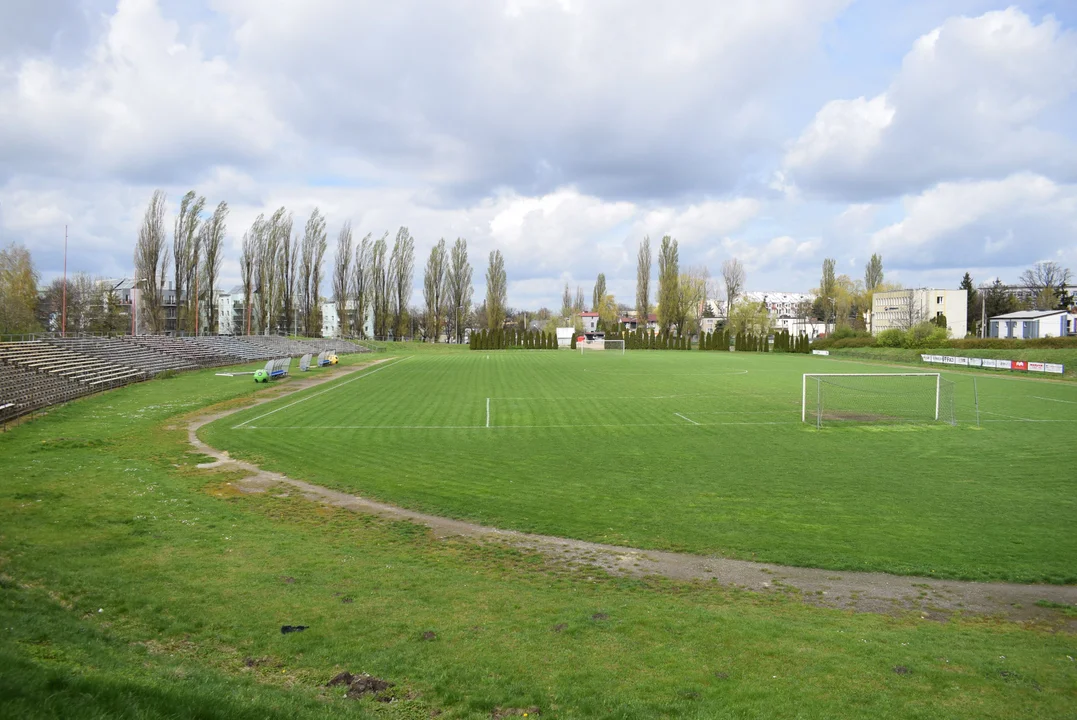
point(1020, 365)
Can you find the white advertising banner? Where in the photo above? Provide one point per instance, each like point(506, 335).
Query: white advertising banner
point(820, 352)
point(1055, 368)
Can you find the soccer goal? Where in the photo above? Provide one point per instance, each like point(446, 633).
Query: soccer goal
point(591, 346)
point(877, 397)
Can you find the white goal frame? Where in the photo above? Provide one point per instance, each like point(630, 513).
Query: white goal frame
point(804, 387)
point(605, 346)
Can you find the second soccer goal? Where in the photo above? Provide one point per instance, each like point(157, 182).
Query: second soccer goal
point(591, 345)
point(876, 397)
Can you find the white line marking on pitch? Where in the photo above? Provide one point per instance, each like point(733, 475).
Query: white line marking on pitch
point(530, 427)
point(1068, 402)
point(682, 417)
point(1011, 417)
point(308, 397)
point(487, 412)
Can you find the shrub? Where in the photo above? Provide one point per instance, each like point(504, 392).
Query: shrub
point(892, 338)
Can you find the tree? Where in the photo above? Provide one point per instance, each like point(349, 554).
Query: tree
point(496, 291)
point(748, 318)
point(211, 238)
point(290, 255)
point(359, 288)
point(151, 264)
point(279, 245)
point(998, 300)
point(402, 270)
point(607, 312)
point(733, 276)
point(578, 306)
point(873, 273)
point(972, 306)
point(435, 282)
point(459, 287)
point(265, 272)
point(598, 297)
point(18, 290)
point(668, 284)
point(312, 250)
point(827, 289)
point(342, 274)
point(693, 297)
point(1048, 280)
point(185, 255)
point(248, 262)
point(566, 304)
point(643, 281)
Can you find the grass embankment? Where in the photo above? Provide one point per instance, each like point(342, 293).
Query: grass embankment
point(697, 452)
point(134, 585)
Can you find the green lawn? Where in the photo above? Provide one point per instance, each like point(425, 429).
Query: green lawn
point(1063, 356)
point(691, 451)
point(134, 585)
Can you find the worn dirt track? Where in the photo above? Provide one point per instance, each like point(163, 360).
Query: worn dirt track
point(857, 591)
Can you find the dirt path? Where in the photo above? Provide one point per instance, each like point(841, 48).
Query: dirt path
point(858, 591)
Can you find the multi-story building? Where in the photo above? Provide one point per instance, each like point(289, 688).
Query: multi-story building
point(331, 323)
point(902, 309)
point(787, 310)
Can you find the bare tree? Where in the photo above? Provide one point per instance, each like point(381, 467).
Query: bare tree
point(643, 282)
point(579, 305)
point(1049, 281)
point(185, 256)
point(669, 294)
point(288, 267)
point(693, 289)
point(151, 264)
point(435, 283)
point(566, 303)
point(496, 291)
point(402, 270)
point(360, 284)
point(460, 288)
point(248, 263)
point(315, 244)
point(211, 238)
point(267, 276)
point(733, 277)
point(342, 271)
point(379, 285)
point(598, 296)
point(278, 243)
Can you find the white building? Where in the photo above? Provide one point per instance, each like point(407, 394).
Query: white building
point(331, 323)
point(564, 336)
point(787, 310)
point(1028, 324)
point(590, 321)
point(902, 309)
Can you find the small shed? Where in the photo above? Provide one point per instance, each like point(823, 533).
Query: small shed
point(564, 337)
point(1028, 324)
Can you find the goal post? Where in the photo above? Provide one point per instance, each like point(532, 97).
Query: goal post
point(592, 345)
point(876, 397)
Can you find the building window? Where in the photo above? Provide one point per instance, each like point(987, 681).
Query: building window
point(938, 299)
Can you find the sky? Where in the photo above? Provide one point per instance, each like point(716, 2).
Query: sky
point(941, 134)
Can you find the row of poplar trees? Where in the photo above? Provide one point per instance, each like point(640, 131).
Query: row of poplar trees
point(513, 339)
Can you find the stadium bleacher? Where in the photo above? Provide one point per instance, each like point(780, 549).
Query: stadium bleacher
point(42, 372)
point(125, 353)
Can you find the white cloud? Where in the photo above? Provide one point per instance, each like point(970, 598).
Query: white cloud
point(973, 99)
point(998, 224)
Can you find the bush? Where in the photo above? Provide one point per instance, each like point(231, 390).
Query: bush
point(893, 338)
point(925, 335)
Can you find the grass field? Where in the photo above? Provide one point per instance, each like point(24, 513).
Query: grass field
point(1063, 356)
point(699, 452)
point(135, 585)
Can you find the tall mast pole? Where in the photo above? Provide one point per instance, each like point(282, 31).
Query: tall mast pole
point(63, 310)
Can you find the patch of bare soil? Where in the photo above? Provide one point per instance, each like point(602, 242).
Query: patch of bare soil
point(931, 598)
point(362, 685)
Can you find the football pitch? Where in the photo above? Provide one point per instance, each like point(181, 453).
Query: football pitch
point(692, 451)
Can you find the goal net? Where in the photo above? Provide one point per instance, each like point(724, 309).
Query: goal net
point(877, 397)
point(615, 345)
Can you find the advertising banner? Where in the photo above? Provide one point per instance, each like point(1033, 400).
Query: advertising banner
point(820, 352)
point(1035, 367)
point(1019, 365)
point(1053, 368)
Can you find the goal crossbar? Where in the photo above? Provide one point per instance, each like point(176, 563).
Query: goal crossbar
point(934, 409)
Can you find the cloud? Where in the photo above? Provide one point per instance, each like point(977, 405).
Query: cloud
point(997, 224)
point(975, 98)
point(146, 104)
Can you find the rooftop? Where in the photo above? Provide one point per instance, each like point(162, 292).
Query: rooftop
point(1028, 314)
